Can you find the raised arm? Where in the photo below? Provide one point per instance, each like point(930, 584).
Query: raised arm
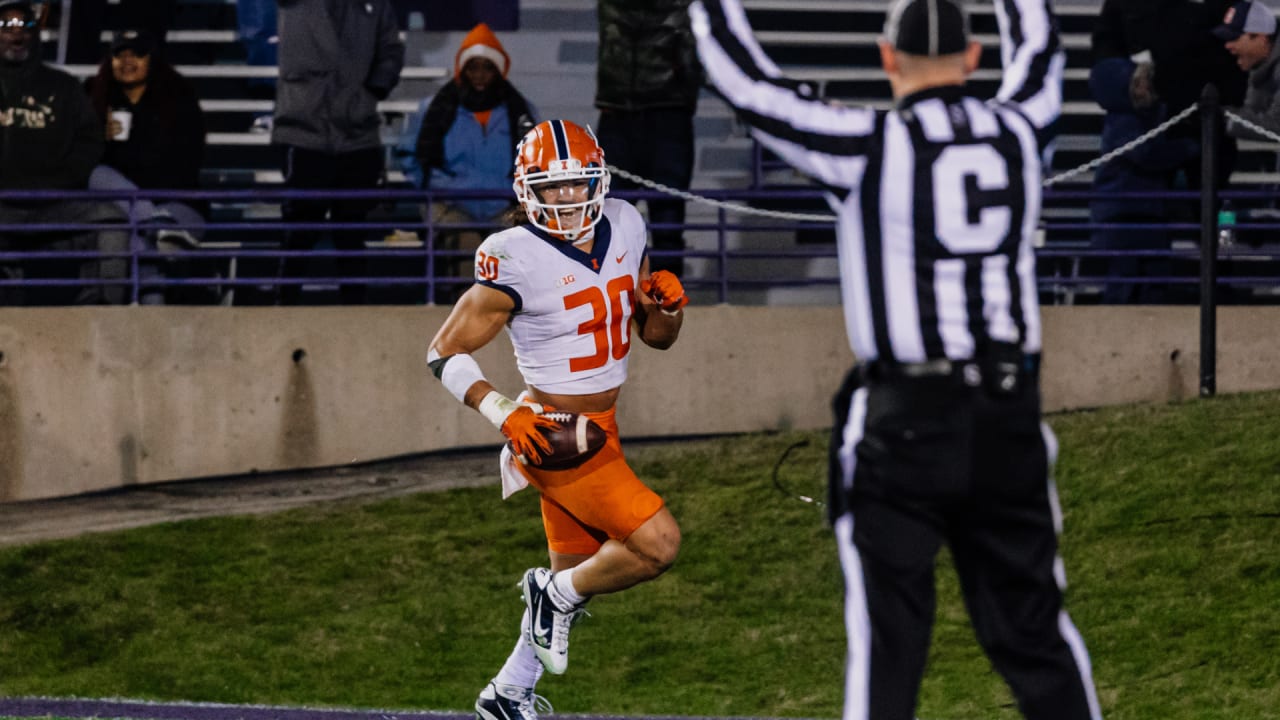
point(1032, 57)
point(817, 138)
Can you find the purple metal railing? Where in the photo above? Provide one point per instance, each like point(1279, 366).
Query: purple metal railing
point(251, 242)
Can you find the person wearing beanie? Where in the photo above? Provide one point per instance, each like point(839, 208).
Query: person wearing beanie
point(464, 138)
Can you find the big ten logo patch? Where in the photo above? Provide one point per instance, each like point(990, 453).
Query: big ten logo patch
point(566, 280)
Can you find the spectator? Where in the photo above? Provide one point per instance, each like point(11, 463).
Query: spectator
point(647, 85)
point(1249, 33)
point(51, 143)
point(160, 148)
point(464, 138)
point(1126, 91)
point(337, 60)
point(256, 24)
point(1176, 36)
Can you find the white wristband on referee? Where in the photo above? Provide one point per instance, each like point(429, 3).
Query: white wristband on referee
point(497, 407)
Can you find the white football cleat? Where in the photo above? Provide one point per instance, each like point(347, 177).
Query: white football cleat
point(507, 702)
point(548, 622)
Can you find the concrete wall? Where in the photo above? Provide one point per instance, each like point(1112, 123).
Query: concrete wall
point(98, 398)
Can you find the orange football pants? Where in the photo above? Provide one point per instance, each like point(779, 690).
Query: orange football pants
point(583, 507)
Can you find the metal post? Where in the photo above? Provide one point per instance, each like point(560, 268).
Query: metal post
point(1210, 121)
point(64, 31)
point(722, 247)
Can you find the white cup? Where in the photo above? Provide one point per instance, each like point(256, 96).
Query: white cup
point(125, 118)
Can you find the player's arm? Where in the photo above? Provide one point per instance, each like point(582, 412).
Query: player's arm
point(660, 305)
point(1032, 59)
point(818, 138)
point(477, 319)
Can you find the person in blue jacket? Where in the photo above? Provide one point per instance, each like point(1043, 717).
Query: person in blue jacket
point(464, 138)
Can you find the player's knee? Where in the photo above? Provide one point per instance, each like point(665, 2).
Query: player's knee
point(660, 554)
point(667, 557)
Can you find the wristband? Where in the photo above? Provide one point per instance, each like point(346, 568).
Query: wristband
point(457, 372)
point(496, 408)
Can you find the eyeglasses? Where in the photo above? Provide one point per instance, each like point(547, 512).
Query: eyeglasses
point(17, 24)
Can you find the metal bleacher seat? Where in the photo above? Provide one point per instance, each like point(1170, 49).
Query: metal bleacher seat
point(394, 110)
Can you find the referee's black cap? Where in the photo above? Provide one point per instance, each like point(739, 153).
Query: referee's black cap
point(927, 27)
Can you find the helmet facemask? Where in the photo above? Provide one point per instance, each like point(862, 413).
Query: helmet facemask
point(559, 151)
point(549, 216)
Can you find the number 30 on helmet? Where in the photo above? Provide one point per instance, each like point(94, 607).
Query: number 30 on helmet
point(555, 151)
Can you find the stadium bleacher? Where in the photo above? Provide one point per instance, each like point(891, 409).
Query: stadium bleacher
point(828, 42)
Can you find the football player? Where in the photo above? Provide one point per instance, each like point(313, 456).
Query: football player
point(568, 285)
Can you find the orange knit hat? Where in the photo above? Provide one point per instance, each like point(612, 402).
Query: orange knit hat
point(481, 42)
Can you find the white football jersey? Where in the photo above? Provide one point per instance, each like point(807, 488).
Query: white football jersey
point(571, 327)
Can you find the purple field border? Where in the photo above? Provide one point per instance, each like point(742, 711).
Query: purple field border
point(147, 710)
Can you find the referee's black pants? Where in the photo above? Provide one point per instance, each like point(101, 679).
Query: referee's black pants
point(922, 461)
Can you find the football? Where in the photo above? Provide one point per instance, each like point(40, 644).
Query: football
point(575, 440)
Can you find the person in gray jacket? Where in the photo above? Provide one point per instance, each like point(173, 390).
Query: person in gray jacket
point(1249, 33)
point(338, 58)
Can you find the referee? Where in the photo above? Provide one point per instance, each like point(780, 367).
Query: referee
point(938, 435)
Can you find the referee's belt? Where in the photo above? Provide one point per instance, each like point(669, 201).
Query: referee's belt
point(1019, 366)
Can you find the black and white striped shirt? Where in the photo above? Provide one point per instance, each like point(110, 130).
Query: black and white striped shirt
point(937, 200)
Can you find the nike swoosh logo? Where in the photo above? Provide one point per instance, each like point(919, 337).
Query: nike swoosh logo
point(540, 632)
point(619, 258)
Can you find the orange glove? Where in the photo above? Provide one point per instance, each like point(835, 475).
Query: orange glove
point(520, 423)
point(522, 429)
point(665, 289)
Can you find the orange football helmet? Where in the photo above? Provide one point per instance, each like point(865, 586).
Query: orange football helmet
point(555, 151)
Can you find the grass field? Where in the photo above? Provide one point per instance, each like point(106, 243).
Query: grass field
point(1172, 549)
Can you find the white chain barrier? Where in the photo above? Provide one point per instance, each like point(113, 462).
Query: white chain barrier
point(1050, 182)
point(1143, 138)
point(1270, 135)
point(731, 207)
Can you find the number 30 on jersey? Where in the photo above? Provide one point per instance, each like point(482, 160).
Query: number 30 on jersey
point(609, 324)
